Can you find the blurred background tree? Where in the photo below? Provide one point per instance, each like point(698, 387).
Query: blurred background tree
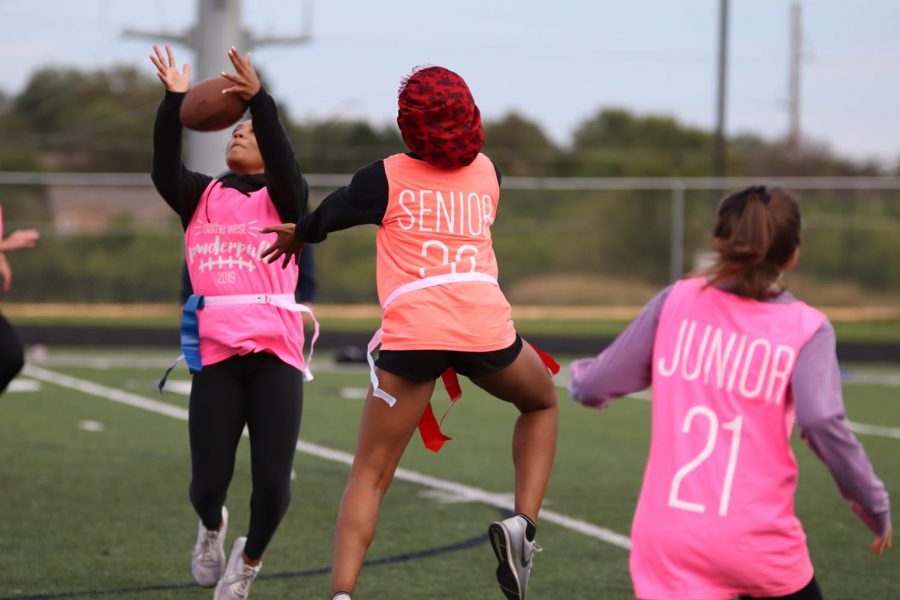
point(102, 121)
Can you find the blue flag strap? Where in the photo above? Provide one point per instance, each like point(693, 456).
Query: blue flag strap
point(190, 339)
point(190, 333)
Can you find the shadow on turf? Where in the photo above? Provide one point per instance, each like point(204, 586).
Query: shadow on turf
point(387, 560)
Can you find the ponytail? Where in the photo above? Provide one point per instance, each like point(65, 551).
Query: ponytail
point(755, 235)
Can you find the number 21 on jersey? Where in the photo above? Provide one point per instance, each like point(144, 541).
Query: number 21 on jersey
point(712, 437)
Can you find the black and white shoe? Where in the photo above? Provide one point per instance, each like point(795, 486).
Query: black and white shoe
point(514, 555)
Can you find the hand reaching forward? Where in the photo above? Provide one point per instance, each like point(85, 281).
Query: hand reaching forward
point(286, 244)
point(882, 542)
point(167, 70)
point(246, 83)
point(20, 238)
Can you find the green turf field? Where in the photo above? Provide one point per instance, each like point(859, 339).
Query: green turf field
point(94, 468)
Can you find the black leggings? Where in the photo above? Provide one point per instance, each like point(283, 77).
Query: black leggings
point(265, 394)
point(810, 592)
point(12, 355)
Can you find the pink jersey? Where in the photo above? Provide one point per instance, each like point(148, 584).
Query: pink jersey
point(222, 247)
point(716, 517)
point(437, 227)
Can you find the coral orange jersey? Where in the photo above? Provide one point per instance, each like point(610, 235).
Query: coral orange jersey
point(716, 516)
point(438, 225)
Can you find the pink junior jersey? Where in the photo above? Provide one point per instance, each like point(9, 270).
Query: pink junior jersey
point(716, 517)
point(222, 248)
point(438, 224)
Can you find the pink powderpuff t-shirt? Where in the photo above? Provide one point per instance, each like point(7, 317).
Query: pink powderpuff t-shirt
point(222, 248)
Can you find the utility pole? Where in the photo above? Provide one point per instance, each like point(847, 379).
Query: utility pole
point(217, 29)
point(796, 58)
point(719, 150)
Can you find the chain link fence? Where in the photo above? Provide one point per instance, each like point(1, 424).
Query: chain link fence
point(109, 238)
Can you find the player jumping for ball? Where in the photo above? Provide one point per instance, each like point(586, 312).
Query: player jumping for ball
point(443, 311)
point(250, 334)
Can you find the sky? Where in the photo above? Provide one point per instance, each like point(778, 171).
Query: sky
point(557, 63)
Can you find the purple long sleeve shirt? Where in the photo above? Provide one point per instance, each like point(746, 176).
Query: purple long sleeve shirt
point(625, 367)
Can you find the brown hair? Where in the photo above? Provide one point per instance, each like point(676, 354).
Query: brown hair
point(755, 235)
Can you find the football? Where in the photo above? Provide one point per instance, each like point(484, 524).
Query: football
point(206, 108)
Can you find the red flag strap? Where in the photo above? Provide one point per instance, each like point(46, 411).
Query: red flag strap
point(430, 431)
point(430, 427)
point(548, 361)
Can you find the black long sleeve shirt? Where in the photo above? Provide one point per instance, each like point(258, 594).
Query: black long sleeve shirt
point(182, 188)
point(362, 202)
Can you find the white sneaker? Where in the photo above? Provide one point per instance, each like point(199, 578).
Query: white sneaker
point(208, 562)
point(341, 596)
point(235, 583)
point(514, 556)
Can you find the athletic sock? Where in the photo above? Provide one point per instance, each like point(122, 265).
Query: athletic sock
point(530, 527)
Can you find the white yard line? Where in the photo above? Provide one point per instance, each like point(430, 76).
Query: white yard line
point(859, 428)
point(876, 430)
point(501, 501)
point(20, 384)
point(867, 378)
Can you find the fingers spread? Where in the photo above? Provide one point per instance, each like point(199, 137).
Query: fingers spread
point(275, 255)
point(171, 56)
point(236, 60)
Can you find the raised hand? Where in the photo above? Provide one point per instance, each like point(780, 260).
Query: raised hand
point(167, 70)
point(246, 83)
point(286, 244)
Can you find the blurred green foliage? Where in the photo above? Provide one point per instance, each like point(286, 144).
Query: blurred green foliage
point(102, 121)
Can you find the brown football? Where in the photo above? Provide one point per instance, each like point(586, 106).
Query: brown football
point(206, 108)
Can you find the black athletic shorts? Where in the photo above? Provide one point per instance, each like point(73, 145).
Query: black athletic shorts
point(427, 365)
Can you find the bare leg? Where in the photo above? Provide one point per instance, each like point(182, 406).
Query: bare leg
point(527, 384)
point(384, 433)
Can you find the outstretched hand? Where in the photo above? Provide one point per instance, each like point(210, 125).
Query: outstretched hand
point(286, 245)
point(167, 70)
point(20, 238)
point(882, 542)
point(246, 82)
